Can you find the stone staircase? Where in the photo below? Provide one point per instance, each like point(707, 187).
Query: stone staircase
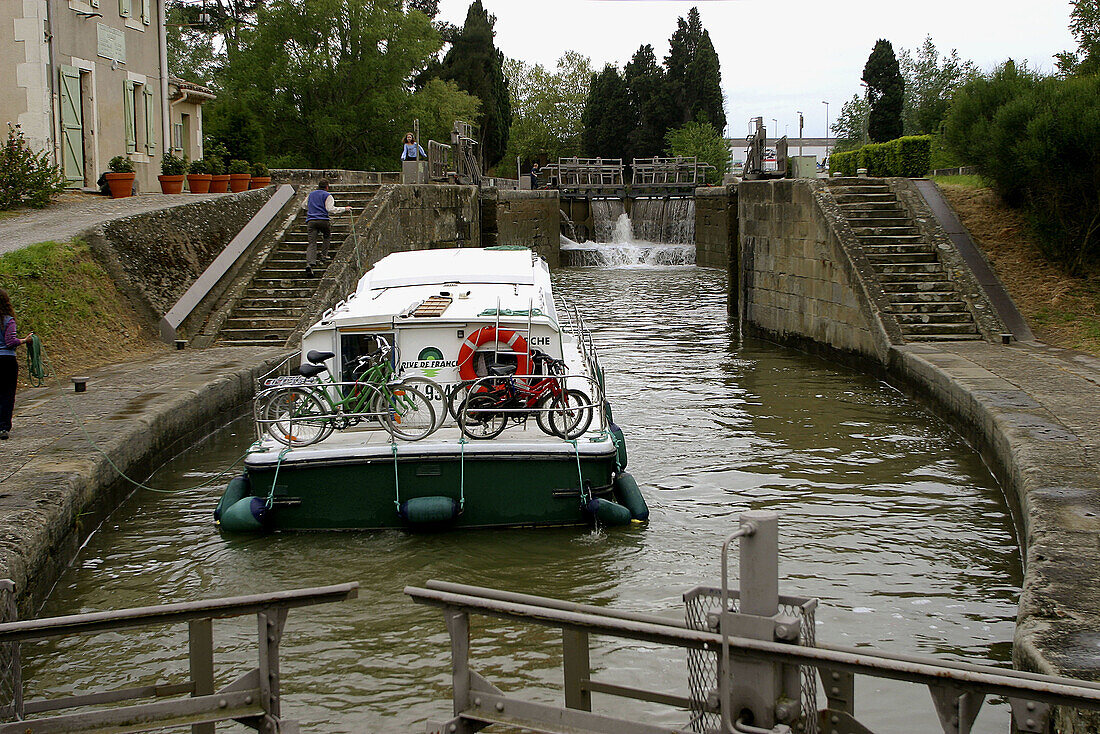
point(921, 296)
point(278, 295)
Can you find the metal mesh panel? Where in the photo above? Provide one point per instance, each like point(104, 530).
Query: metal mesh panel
point(703, 606)
point(11, 686)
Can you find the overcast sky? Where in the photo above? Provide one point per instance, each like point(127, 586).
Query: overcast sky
point(780, 56)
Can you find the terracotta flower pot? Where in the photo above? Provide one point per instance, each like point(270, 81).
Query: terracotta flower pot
point(171, 184)
point(258, 182)
point(219, 184)
point(122, 184)
point(238, 182)
point(199, 183)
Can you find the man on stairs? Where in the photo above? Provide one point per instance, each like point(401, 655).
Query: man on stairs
point(319, 206)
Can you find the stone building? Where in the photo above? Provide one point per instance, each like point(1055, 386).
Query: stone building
point(87, 80)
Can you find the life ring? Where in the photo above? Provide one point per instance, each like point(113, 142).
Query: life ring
point(487, 335)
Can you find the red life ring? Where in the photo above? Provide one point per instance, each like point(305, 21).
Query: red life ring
point(487, 335)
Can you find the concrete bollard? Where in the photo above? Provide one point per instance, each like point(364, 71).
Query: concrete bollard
point(80, 384)
point(1006, 339)
point(861, 172)
point(181, 344)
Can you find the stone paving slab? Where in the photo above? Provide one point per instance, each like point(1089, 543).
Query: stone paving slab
point(55, 487)
point(74, 212)
point(1034, 412)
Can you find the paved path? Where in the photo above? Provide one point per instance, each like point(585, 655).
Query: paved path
point(74, 212)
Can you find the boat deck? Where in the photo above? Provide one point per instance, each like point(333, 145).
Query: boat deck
point(372, 443)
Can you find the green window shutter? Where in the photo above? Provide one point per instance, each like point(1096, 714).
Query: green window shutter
point(146, 12)
point(72, 129)
point(150, 121)
point(131, 117)
point(124, 8)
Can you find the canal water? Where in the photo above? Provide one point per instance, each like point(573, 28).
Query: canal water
point(886, 515)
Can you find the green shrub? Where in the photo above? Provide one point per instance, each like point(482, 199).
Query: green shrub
point(172, 165)
point(26, 178)
point(121, 164)
point(215, 165)
point(910, 157)
point(238, 166)
point(289, 160)
point(198, 166)
point(260, 170)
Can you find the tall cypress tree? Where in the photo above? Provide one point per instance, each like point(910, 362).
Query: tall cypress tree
point(652, 102)
point(694, 72)
point(885, 92)
point(477, 66)
point(608, 116)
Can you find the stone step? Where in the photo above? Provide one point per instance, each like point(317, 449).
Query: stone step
point(915, 256)
point(866, 198)
point(942, 337)
point(938, 329)
point(903, 239)
point(865, 228)
point(914, 284)
point(271, 310)
point(938, 317)
point(860, 189)
point(288, 284)
point(898, 248)
point(297, 304)
point(282, 323)
point(917, 307)
point(261, 335)
point(896, 268)
point(926, 297)
point(291, 274)
point(251, 342)
point(869, 206)
point(877, 218)
point(298, 290)
point(855, 181)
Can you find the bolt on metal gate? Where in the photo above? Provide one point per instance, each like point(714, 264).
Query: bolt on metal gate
point(753, 664)
point(252, 699)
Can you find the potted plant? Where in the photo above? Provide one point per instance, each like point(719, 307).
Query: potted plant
point(239, 176)
point(219, 181)
point(260, 176)
point(121, 177)
point(172, 168)
point(198, 177)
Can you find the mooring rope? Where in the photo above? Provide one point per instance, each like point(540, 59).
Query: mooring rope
point(275, 480)
point(35, 368)
point(396, 481)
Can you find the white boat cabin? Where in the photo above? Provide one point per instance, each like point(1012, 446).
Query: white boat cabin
point(441, 310)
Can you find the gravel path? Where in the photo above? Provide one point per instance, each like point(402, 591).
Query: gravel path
point(74, 212)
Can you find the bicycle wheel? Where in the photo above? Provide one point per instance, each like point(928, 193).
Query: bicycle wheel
point(542, 416)
point(479, 424)
point(406, 412)
point(296, 417)
point(572, 415)
point(435, 394)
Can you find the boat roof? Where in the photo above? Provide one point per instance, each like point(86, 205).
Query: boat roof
point(461, 284)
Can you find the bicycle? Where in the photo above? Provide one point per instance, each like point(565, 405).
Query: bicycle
point(302, 415)
point(562, 412)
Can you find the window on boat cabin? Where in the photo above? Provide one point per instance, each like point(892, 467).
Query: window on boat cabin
point(354, 346)
point(485, 357)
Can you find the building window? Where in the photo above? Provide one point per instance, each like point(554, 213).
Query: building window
point(124, 8)
point(177, 136)
point(139, 109)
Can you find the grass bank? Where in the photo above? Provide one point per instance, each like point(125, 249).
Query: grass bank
point(1062, 310)
point(64, 295)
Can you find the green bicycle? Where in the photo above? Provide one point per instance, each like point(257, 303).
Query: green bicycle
point(305, 414)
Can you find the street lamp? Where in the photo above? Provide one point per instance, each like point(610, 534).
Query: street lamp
point(800, 133)
point(826, 129)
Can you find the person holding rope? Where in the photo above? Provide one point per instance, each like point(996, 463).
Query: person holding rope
point(319, 206)
point(9, 366)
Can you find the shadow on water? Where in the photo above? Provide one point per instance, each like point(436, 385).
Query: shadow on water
point(887, 516)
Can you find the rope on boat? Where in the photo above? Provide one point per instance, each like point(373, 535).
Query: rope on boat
point(396, 482)
point(275, 480)
point(35, 367)
point(462, 475)
point(48, 369)
point(580, 476)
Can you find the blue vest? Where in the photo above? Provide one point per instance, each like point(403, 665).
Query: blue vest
point(4, 351)
point(316, 208)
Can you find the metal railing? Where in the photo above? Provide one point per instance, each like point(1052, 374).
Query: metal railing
point(595, 397)
point(758, 646)
point(583, 174)
point(440, 161)
point(668, 173)
point(252, 699)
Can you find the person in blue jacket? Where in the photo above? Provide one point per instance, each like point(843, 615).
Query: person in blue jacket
point(412, 151)
point(320, 207)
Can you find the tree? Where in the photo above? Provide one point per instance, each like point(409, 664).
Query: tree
point(930, 83)
point(703, 141)
point(1084, 23)
point(885, 93)
point(474, 63)
point(437, 106)
point(652, 100)
point(547, 108)
point(329, 79)
point(608, 118)
point(850, 126)
point(694, 72)
point(232, 123)
point(191, 47)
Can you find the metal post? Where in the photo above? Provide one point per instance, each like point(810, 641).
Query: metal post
point(269, 625)
point(577, 668)
point(760, 564)
point(200, 653)
point(458, 627)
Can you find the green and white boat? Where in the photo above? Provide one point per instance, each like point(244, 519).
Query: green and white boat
point(453, 324)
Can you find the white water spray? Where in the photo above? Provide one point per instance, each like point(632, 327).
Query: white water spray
point(661, 237)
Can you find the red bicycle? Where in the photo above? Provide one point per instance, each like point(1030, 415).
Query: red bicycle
point(504, 398)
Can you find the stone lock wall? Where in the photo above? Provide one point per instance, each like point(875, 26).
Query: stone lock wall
point(716, 227)
point(797, 283)
point(155, 257)
point(531, 219)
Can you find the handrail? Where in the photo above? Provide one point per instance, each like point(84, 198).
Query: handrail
point(597, 399)
point(235, 606)
point(913, 669)
point(216, 270)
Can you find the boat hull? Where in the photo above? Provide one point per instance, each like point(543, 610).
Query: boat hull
point(487, 491)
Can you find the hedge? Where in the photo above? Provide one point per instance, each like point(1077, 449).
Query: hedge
point(909, 157)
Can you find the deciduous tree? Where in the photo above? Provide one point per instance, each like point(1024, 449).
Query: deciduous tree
point(885, 93)
point(703, 141)
point(1084, 23)
point(547, 108)
point(930, 83)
